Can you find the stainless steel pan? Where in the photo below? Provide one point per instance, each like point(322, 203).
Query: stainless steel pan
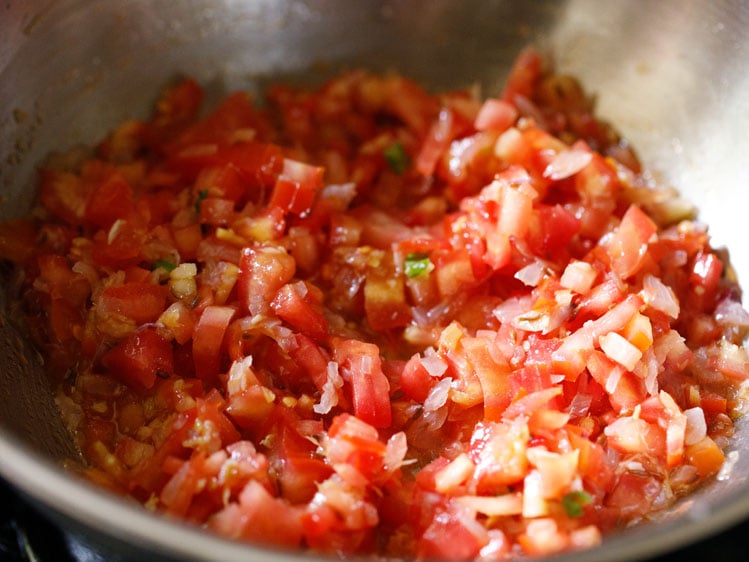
point(672, 75)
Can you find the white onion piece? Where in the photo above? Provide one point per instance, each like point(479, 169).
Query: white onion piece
point(506, 504)
point(613, 379)
point(342, 193)
point(696, 426)
point(578, 276)
point(569, 162)
point(395, 452)
point(659, 296)
point(619, 349)
point(435, 419)
point(434, 364)
point(730, 313)
point(534, 504)
point(438, 395)
point(454, 474)
point(329, 396)
point(512, 308)
point(531, 274)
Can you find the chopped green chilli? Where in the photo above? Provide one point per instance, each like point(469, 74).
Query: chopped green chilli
point(417, 264)
point(397, 158)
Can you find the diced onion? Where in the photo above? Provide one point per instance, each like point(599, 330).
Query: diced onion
point(497, 506)
point(395, 452)
point(696, 426)
point(534, 504)
point(618, 349)
point(730, 313)
point(434, 364)
point(568, 162)
point(531, 274)
point(659, 296)
point(438, 395)
point(454, 474)
point(329, 396)
point(578, 276)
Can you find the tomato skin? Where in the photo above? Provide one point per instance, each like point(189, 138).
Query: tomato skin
point(496, 115)
point(628, 246)
point(704, 279)
point(120, 250)
point(207, 341)
point(447, 538)
point(296, 187)
point(298, 306)
point(555, 227)
point(140, 359)
point(498, 451)
point(143, 302)
point(262, 272)
point(177, 107)
point(369, 386)
point(257, 162)
point(523, 76)
point(302, 472)
point(415, 380)
point(225, 182)
point(109, 201)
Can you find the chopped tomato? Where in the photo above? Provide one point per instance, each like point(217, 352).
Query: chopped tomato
point(207, 341)
point(298, 305)
point(628, 245)
point(365, 320)
point(262, 272)
point(109, 201)
point(369, 386)
point(296, 187)
point(140, 359)
point(142, 302)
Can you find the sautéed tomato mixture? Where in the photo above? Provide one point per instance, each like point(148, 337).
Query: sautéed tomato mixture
point(366, 319)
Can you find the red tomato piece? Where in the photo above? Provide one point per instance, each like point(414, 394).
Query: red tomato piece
point(140, 359)
point(385, 301)
point(450, 538)
point(207, 340)
point(225, 182)
point(552, 230)
point(110, 200)
point(296, 187)
point(176, 108)
point(415, 380)
point(496, 115)
point(216, 211)
point(704, 279)
point(262, 272)
point(628, 245)
point(142, 302)
point(120, 247)
point(523, 76)
point(370, 388)
point(299, 306)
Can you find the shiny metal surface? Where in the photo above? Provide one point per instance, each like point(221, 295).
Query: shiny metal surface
point(673, 76)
